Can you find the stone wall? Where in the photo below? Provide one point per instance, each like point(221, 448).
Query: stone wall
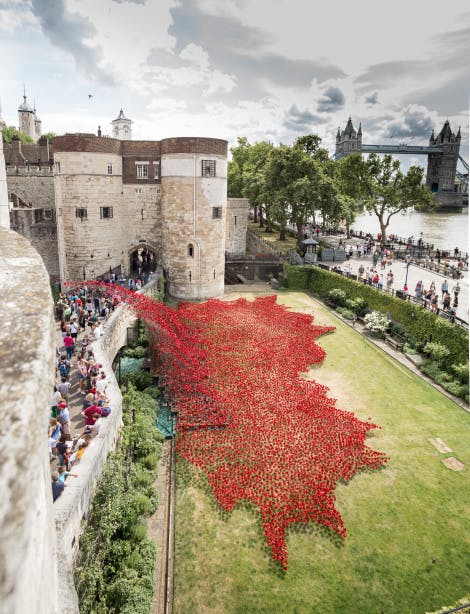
point(28, 564)
point(41, 233)
point(257, 245)
point(236, 226)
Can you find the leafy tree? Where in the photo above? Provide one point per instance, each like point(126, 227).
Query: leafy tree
point(254, 180)
point(240, 155)
point(9, 132)
point(49, 136)
point(385, 190)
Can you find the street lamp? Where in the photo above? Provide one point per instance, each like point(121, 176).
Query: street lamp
point(406, 276)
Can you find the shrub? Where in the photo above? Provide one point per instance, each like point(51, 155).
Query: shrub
point(336, 296)
point(357, 305)
point(377, 322)
point(140, 379)
point(461, 371)
point(346, 313)
point(137, 352)
point(437, 351)
point(409, 349)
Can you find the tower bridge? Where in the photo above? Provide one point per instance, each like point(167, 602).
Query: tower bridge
point(442, 176)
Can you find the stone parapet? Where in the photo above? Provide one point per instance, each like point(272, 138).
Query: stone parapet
point(28, 564)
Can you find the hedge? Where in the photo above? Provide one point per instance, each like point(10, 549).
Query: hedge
point(420, 324)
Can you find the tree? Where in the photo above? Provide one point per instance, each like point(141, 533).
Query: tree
point(49, 136)
point(385, 191)
point(10, 132)
point(235, 168)
point(254, 180)
point(347, 171)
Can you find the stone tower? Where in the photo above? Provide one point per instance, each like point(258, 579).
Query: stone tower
point(194, 210)
point(26, 117)
point(116, 198)
point(348, 141)
point(122, 127)
point(440, 175)
point(37, 125)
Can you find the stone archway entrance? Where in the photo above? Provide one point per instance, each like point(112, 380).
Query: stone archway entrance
point(142, 261)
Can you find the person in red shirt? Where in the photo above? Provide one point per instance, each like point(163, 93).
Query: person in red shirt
point(91, 414)
point(69, 345)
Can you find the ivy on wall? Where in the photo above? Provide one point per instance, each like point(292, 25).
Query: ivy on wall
point(115, 567)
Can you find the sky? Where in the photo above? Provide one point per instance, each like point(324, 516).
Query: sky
point(263, 69)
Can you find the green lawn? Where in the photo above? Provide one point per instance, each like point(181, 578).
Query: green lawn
point(408, 545)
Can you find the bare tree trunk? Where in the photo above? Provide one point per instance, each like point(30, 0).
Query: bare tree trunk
point(255, 213)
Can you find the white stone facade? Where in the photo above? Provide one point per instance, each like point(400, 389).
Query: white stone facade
point(106, 209)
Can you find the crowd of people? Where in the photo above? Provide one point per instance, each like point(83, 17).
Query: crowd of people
point(81, 382)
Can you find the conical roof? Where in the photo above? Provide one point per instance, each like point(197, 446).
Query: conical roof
point(349, 130)
point(25, 106)
point(120, 117)
point(446, 132)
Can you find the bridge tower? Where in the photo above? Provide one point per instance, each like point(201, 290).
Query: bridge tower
point(442, 166)
point(348, 141)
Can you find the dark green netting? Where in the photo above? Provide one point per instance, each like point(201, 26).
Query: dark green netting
point(166, 424)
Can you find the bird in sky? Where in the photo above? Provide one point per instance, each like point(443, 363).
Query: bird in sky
point(90, 96)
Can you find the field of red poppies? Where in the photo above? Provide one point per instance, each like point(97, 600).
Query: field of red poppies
point(258, 430)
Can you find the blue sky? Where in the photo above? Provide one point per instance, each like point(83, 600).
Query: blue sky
point(264, 69)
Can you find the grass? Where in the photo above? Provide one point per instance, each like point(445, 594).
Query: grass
point(408, 545)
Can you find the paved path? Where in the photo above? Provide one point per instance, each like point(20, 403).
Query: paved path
point(415, 274)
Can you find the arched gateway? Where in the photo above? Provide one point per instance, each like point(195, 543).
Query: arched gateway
point(143, 260)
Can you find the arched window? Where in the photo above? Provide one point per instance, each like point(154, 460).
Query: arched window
point(191, 250)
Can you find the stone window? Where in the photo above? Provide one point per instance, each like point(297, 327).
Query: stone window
point(110, 168)
point(138, 191)
point(156, 170)
point(81, 212)
point(142, 169)
point(216, 213)
point(106, 212)
point(191, 250)
point(208, 168)
point(57, 167)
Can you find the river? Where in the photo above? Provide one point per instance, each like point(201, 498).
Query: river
point(444, 229)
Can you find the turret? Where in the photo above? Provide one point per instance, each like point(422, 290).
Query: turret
point(26, 118)
point(122, 127)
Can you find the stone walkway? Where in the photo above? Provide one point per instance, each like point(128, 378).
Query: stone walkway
point(415, 274)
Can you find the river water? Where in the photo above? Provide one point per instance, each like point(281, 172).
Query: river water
point(444, 229)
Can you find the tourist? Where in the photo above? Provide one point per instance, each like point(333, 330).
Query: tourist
point(456, 289)
point(444, 287)
point(91, 414)
point(64, 419)
point(446, 301)
point(101, 383)
point(389, 280)
point(69, 345)
point(82, 368)
point(57, 487)
point(434, 300)
point(64, 388)
point(61, 447)
point(418, 290)
point(63, 473)
point(56, 398)
point(74, 329)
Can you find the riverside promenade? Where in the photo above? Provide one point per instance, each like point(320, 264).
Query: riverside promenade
point(399, 269)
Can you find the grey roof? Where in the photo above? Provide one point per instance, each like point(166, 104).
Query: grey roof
point(121, 116)
point(310, 242)
point(25, 106)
